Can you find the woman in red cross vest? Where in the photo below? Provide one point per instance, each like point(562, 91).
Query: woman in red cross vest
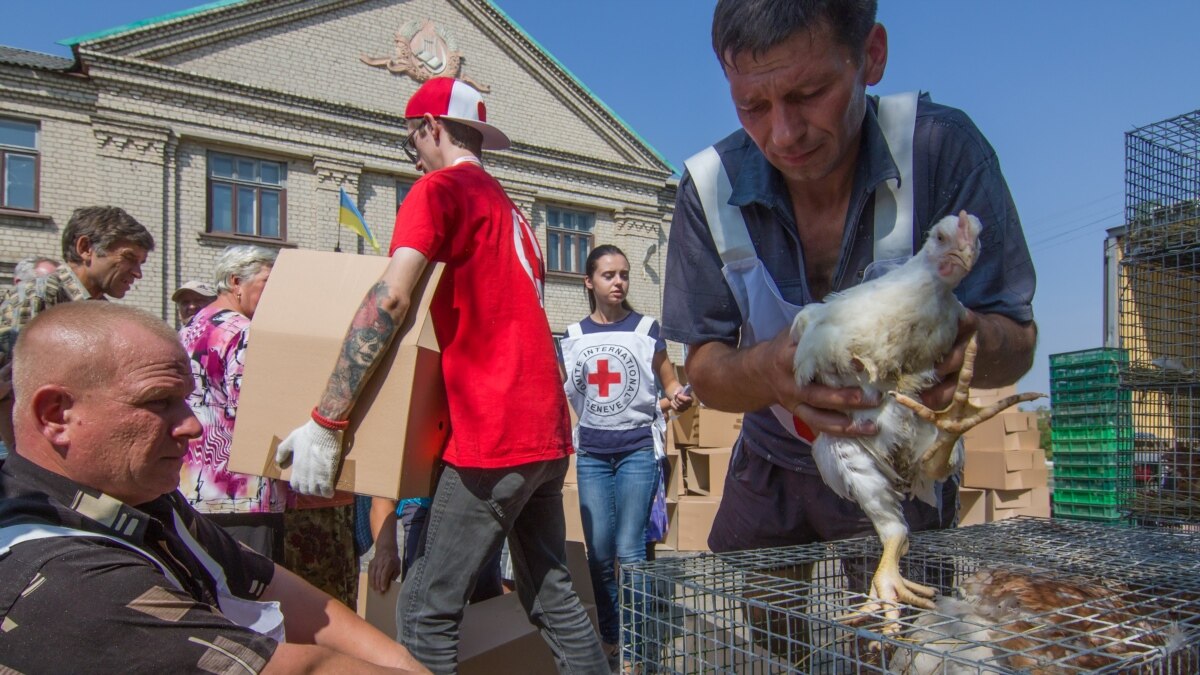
point(610, 360)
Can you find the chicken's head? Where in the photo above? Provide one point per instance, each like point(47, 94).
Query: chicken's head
point(953, 246)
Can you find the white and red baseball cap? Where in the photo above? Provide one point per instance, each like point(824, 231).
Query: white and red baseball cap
point(452, 99)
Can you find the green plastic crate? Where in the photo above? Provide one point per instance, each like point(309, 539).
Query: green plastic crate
point(1060, 398)
point(1088, 497)
point(1064, 469)
point(1086, 511)
point(1092, 453)
point(1088, 356)
point(1114, 407)
point(1092, 371)
point(1065, 420)
point(1092, 433)
point(1069, 486)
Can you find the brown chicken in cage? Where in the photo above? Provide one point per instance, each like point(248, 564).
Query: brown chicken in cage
point(1043, 625)
point(1183, 466)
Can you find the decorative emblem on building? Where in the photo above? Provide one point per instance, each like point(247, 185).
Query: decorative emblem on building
point(424, 51)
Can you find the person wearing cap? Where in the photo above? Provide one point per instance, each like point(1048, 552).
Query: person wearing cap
point(510, 437)
point(192, 297)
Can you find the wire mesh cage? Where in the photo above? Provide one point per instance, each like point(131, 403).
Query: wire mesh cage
point(1023, 595)
point(1162, 168)
point(1160, 317)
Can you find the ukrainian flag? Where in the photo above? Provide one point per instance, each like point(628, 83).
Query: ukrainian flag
point(350, 216)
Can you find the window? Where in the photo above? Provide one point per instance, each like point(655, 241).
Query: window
point(568, 239)
point(19, 164)
point(402, 188)
point(247, 197)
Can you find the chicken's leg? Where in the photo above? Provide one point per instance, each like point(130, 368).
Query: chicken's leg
point(958, 417)
point(889, 588)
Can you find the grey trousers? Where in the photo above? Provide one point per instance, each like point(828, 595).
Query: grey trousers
point(473, 511)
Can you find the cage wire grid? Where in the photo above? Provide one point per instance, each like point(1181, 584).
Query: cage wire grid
point(1160, 318)
point(1023, 595)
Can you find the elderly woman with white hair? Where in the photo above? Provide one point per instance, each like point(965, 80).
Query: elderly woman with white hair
point(249, 507)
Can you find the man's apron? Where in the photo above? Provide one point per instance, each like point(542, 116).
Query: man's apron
point(764, 311)
point(610, 380)
point(261, 617)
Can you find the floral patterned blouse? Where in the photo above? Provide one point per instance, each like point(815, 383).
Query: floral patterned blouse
point(215, 341)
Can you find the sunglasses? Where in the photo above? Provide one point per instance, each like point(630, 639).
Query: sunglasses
point(410, 144)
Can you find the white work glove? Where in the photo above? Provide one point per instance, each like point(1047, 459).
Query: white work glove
point(316, 453)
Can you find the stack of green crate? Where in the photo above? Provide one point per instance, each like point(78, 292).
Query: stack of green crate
point(1091, 433)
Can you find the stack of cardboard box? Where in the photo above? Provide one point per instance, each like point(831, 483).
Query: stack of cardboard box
point(699, 445)
point(1005, 470)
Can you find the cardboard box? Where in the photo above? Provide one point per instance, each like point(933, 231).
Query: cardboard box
point(1039, 502)
point(986, 436)
point(718, 429)
point(1000, 470)
point(1029, 439)
point(671, 541)
point(290, 356)
point(971, 507)
point(684, 429)
point(1010, 499)
point(378, 609)
point(986, 397)
point(1015, 420)
point(572, 477)
point(496, 636)
point(706, 469)
point(675, 480)
point(571, 513)
point(693, 521)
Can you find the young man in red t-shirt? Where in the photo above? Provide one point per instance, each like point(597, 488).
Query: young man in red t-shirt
point(510, 430)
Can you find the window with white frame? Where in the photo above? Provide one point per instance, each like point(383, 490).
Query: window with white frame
point(20, 163)
point(247, 196)
point(569, 239)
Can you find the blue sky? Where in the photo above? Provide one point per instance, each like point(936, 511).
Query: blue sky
point(1053, 85)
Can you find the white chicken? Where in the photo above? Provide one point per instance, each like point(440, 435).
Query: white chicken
point(886, 336)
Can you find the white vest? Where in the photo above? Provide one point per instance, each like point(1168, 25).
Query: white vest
point(610, 378)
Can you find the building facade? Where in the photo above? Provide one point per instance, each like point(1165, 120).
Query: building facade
point(240, 122)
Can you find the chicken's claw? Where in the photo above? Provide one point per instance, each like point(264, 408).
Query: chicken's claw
point(958, 417)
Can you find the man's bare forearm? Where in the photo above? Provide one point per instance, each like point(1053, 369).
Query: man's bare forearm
point(728, 378)
point(1005, 350)
point(370, 333)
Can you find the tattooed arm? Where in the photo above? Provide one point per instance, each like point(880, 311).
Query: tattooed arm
point(372, 330)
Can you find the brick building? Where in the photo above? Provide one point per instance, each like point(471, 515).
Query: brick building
point(239, 121)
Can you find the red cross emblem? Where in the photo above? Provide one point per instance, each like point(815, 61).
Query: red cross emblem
point(602, 378)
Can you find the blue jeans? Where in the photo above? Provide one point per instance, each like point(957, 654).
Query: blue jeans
point(473, 510)
point(615, 492)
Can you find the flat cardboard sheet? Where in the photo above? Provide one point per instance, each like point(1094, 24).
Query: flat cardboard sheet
point(400, 423)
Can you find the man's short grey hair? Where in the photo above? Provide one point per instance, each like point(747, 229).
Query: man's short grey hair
point(24, 270)
point(79, 333)
point(242, 262)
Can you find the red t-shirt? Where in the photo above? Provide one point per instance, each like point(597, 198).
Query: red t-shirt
point(507, 405)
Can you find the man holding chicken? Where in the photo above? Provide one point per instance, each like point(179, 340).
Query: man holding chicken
point(821, 181)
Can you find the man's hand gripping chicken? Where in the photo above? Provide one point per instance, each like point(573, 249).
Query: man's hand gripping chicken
point(890, 335)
